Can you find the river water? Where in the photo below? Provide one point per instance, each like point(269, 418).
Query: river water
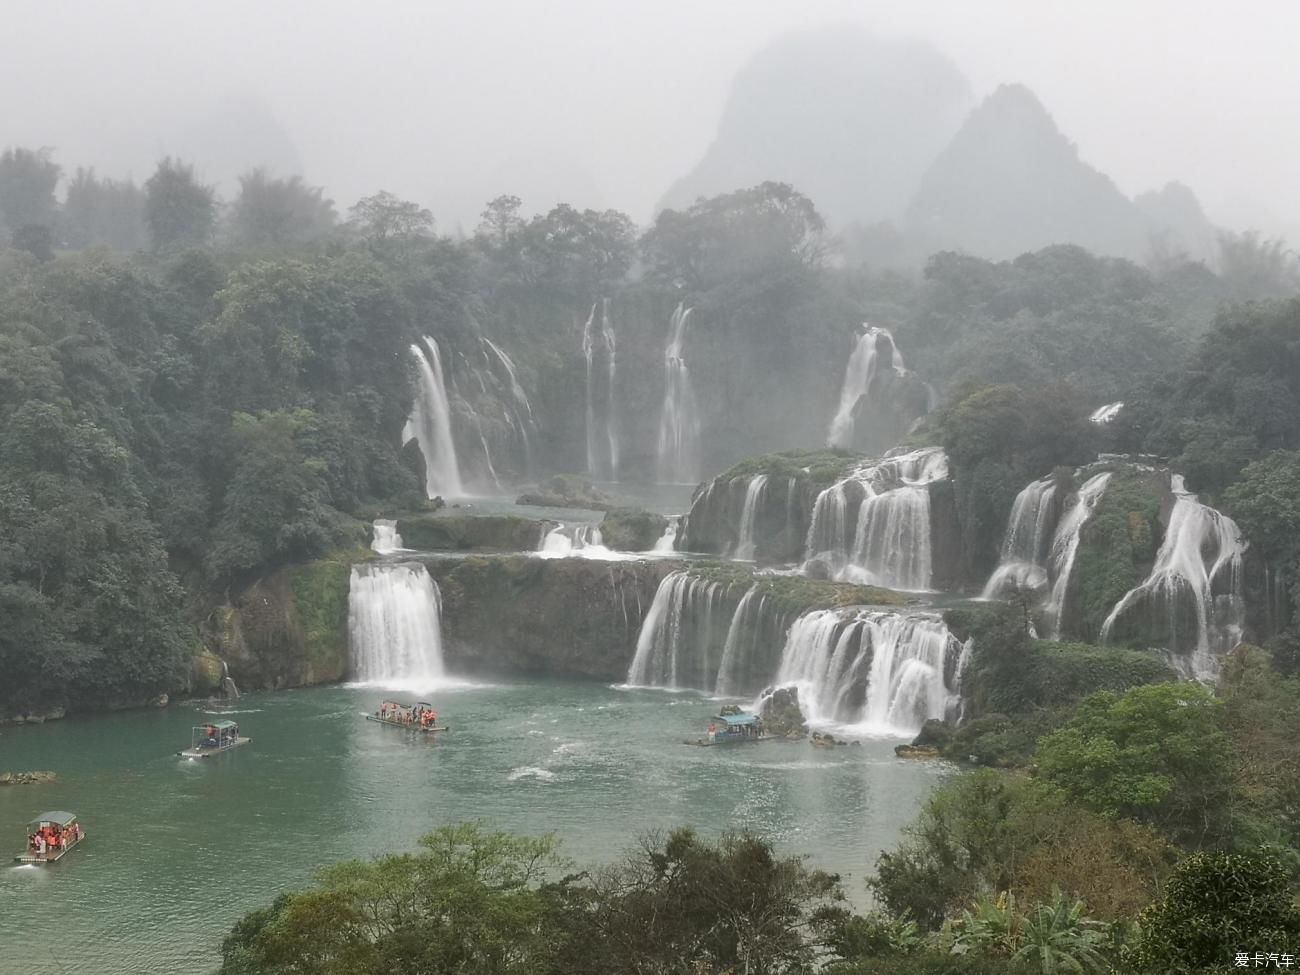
point(178, 850)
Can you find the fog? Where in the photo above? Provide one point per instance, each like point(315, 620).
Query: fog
point(605, 104)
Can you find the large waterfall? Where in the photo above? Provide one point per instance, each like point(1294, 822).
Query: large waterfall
point(890, 542)
point(885, 673)
point(394, 626)
point(1065, 545)
point(874, 350)
point(430, 424)
point(679, 422)
point(881, 672)
point(745, 537)
point(1023, 563)
point(1193, 599)
point(602, 433)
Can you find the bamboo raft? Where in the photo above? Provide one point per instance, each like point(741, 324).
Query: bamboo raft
point(29, 857)
point(209, 752)
point(409, 726)
point(703, 743)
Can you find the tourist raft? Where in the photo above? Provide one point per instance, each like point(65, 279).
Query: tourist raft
point(213, 738)
point(733, 727)
point(50, 836)
point(419, 716)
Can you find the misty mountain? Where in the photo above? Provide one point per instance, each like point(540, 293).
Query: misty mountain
point(849, 119)
point(1011, 182)
point(1178, 223)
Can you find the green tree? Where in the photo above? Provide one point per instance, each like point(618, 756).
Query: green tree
point(275, 212)
point(383, 217)
point(1154, 754)
point(1265, 503)
point(104, 211)
point(1214, 906)
point(27, 181)
point(1253, 268)
point(178, 209)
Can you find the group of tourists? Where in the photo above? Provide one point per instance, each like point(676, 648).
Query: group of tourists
point(51, 838)
point(214, 736)
point(415, 715)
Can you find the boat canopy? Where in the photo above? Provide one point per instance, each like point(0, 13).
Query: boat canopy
point(737, 720)
point(220, 725)
point(57, 818)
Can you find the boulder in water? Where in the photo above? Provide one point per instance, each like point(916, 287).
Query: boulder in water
point(818, 569)
point(782, 715)
point(567, 491)
point(27, 778)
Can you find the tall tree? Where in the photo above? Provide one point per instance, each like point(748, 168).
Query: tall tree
point(271, 211)
point(104, 211)
point(180, 211)
point(27, 181)
point(384, 217)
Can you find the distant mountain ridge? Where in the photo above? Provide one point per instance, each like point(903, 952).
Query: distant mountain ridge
point(883, 135)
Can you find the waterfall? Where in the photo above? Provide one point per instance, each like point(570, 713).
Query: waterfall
point(1022, 565)
point(386, 540)
point(1065, 545)
point(1104, 414)
point(520, 421)
point(743, 634)
point(602, 445)
point(890, 544)
point(679, 423)
point(675, 648)
point(228, 683)
point(584, 541)
point(754, 493)
point(884, 673)
point(1195, 590)
point(430, 424)
point(863, 366)
point(394, 626)
point(668, 540)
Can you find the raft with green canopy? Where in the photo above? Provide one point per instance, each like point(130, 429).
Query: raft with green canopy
point(213, 738)
point(50, 837)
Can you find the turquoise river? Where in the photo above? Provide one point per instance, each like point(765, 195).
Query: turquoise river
point(178, 850)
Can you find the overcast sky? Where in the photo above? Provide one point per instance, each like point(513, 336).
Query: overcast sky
point(606, 103)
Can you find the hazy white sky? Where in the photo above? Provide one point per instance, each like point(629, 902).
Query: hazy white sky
point(606, 103)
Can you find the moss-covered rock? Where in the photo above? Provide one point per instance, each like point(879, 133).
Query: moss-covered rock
point(792, 595)
point(206, 674)
point(631, 529)
point(514, 615)
point(471, 533)
point(288, 629)
point(782, 715)
point(567, 491)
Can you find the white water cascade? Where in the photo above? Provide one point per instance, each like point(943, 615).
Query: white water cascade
point(1194, 594)
point(890, 543)
point(879, 673)
point(1065, 545)
point(1023, 562)
point(679, 422)
point(859, 375)
point(583, 541)
point(743, 635)
point(674, 649)
point(521, 416)
point(394, 626)
point(430, 424)
point(754, 494)
point(667, 542)
point(386, 540)
point(602, 437)
point(1104, 414)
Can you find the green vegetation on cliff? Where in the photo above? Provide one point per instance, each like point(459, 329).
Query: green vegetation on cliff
point(823, 466)
point(1116, 546)
point(796, 594)
point(631, 529)
point(465, 533)
point(320, 591)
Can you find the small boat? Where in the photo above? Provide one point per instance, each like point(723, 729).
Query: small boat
point(419, 716)
point(733, 727)
point(213, 738)
point(50, 836)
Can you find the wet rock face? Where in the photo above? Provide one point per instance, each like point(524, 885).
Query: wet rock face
point(471, 533)
point(782, 715)
point(27, 778)
point(515, 615)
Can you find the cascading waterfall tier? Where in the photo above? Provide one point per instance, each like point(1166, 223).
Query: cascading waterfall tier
point(1065, 546)
point(873, 353)
point(602, 415)
point(745, 536)
point(385, 539)
point(520, 413)
point(394, 625)
point(1193, 601)
point(430, 423)
point(1105, 414)
point(878, 672)
point(583, 541)
point(888, 505)
point(1023, 563)
point(678, 457)
point(667, 542)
